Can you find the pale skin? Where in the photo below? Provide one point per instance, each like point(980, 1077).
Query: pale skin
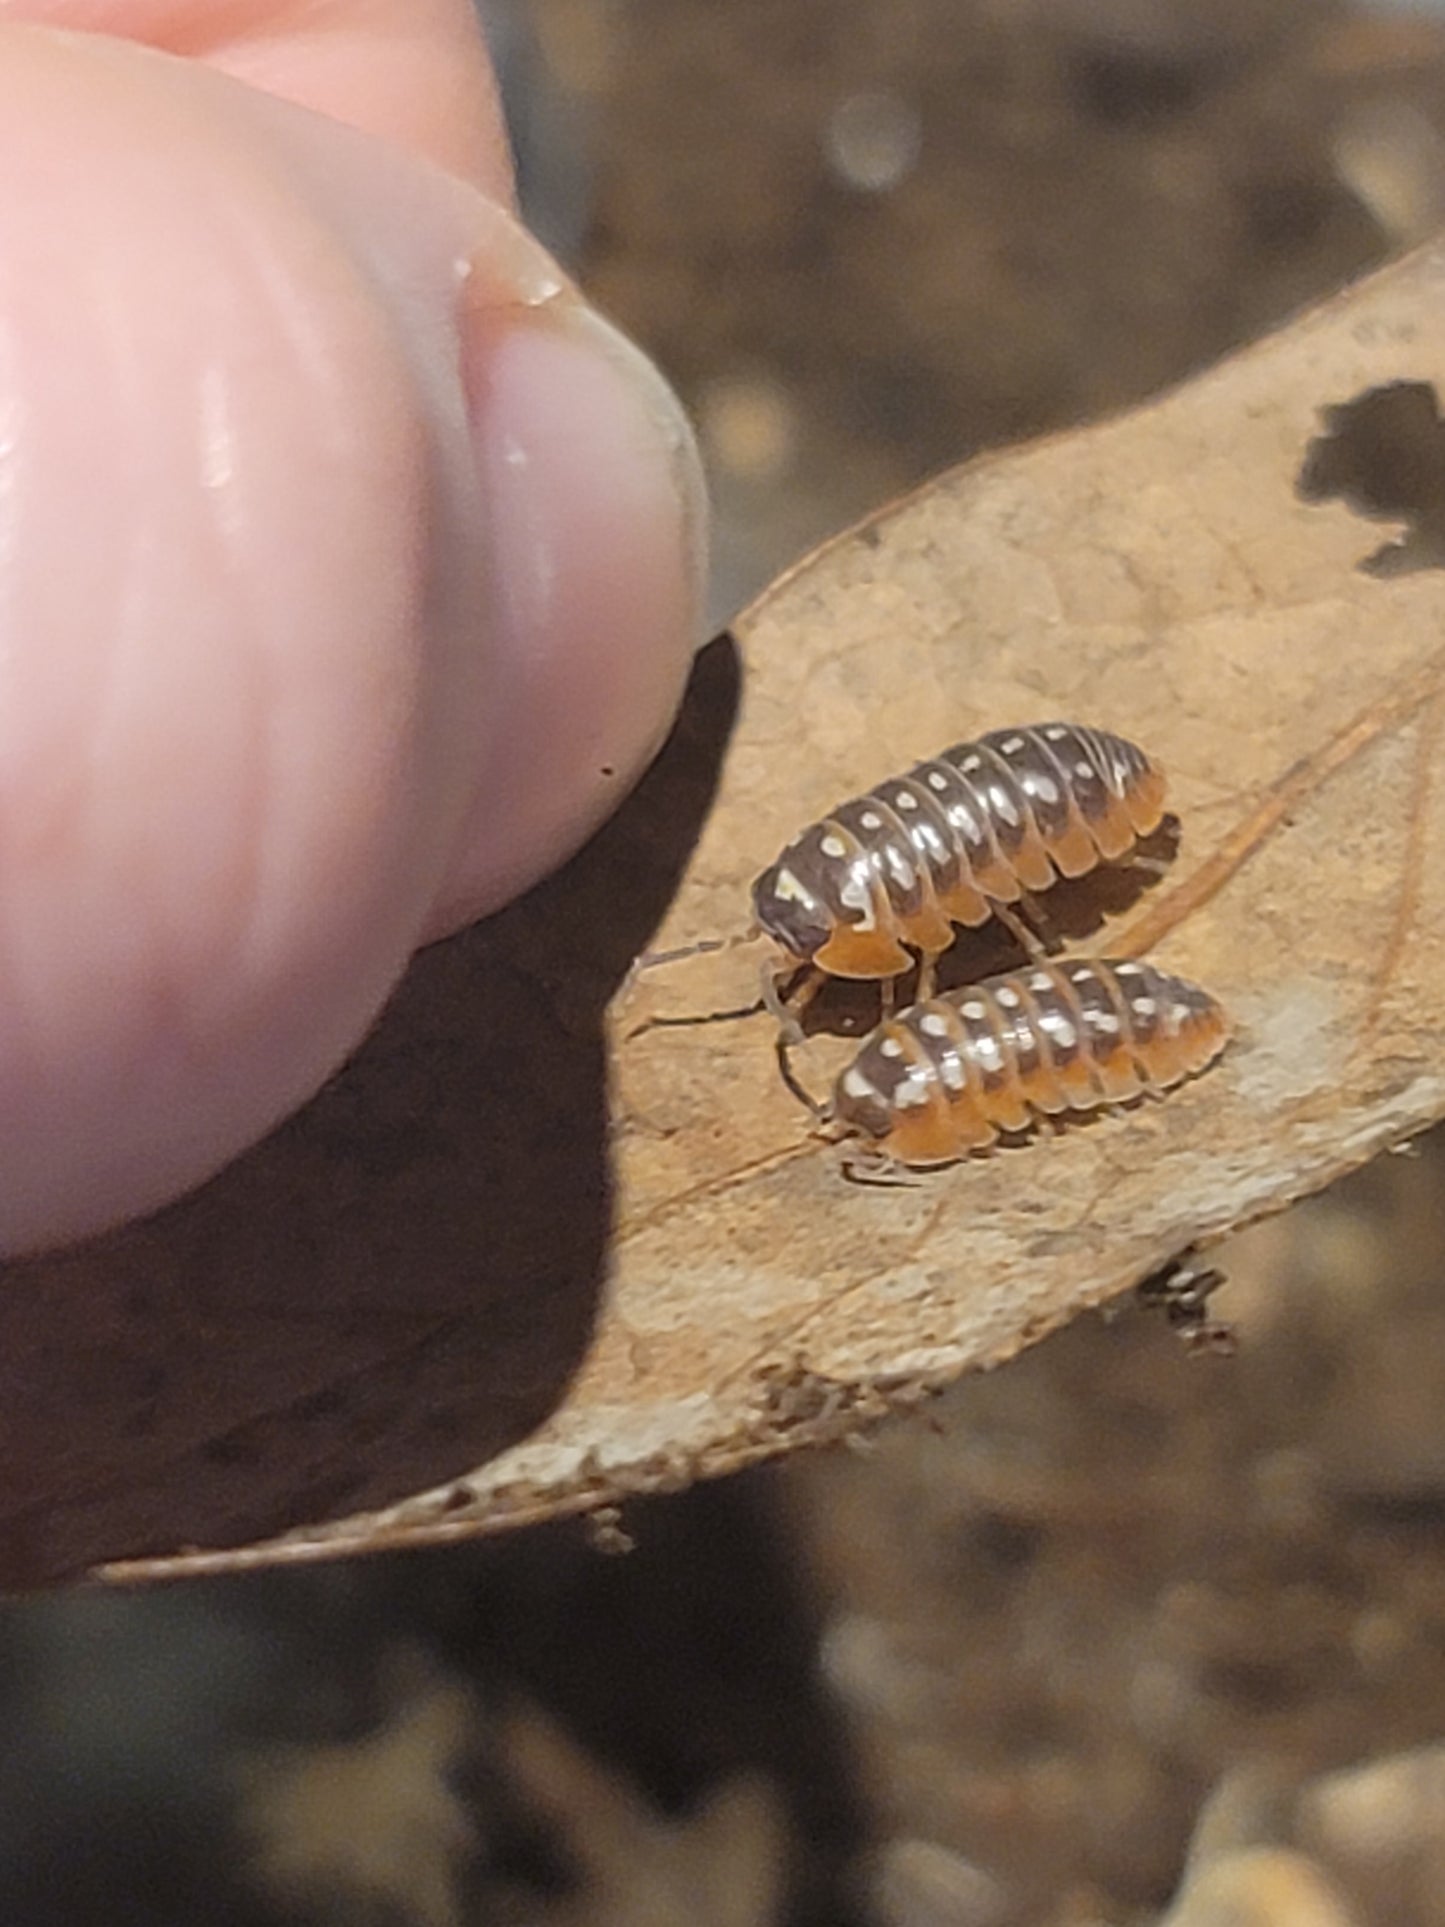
point(348, 566)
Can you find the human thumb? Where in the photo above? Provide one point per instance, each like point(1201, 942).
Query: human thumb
point(348, 574)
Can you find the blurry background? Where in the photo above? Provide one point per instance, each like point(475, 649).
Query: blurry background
point(1119, 1636)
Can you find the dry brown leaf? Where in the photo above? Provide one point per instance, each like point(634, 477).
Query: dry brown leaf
point(1198, 575)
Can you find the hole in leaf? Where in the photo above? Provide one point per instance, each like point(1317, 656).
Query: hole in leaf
point(1383, 455)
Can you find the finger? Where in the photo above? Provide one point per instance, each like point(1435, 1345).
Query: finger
point(348, 571)
point(412, 71)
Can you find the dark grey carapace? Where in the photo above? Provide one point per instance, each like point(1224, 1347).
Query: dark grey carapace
point(952, 1075)
point(977, 828)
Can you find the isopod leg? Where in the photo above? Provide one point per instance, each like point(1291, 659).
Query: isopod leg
point(1153, 866)
point(1028, 940)
point(866, 1165)
point(789, 1010)
point(793, 1083)
point(1045, 929)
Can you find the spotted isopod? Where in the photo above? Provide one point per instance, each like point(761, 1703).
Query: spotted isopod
point(951, 1075)
point(957, 840)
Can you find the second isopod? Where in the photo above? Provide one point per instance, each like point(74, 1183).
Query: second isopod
point(954, 1074)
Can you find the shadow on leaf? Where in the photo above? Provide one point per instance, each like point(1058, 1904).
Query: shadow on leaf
point(1383, 455)
point(394, 1286)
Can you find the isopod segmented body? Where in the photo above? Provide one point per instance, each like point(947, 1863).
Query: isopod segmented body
point(953, 840)
point(949, 1076)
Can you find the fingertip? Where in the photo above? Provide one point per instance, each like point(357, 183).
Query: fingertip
point(595, 547)
point(444, 535)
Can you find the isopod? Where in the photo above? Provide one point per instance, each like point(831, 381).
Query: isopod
point(956, 840)
point(953, 1074)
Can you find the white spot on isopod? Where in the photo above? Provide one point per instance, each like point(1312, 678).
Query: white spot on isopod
point(1084, 769)
point(1044, 789)
point(1041, 981)
point(1056, 734)
point(953, 1073)
point(871, 820)
point(1003, 805)
point(1104, 1020)
point(937, 780)
point(971, 763)
point(1145, 1006)
point(1062, 1029)
point(911, 1090)
point(833, 846)
point(1083, 975)
point(1012, 746)
point(1008, 998)
point(787, 889)
point(986, 1050)
point(856, 1084)
point(856, 895)
point(932, 1025)
point(905, 800)
point(890, 1047)
point(974, 1010)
